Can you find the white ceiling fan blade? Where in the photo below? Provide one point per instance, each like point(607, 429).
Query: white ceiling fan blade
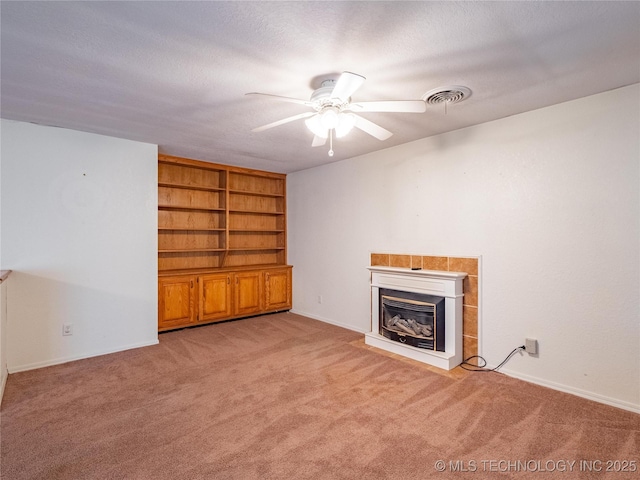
point(283, 99)
point(283, 121)
point(346, 85)
point(318, 141)
point(401, 106)
point(371, 128)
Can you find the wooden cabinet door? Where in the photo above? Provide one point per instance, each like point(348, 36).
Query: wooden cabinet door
point(214, 296)
point(247, 293)
point(277, 289)
point(177, 305)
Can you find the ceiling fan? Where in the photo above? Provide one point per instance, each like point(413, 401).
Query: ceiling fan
point(335, 113)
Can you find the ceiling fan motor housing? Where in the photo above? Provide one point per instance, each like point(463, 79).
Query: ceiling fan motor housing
point(322, 96)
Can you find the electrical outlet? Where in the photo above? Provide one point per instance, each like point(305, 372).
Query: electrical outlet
point(67, 329)
point(531, 346)
point(319, 298)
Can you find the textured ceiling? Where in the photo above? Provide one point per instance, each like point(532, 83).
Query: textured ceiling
point(176, 73)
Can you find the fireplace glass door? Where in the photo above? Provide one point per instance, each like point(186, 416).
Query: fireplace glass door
point(412, 318)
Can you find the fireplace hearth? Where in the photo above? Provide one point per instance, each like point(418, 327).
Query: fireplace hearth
point(417, 314)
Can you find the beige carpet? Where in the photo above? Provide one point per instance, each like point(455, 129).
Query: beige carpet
point(285, 397)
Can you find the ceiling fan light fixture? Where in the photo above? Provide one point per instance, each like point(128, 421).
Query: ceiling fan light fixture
point(329, 118)
point(315, 125)
point(346, 121)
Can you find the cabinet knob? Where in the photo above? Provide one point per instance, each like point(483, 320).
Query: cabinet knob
point(228, 280)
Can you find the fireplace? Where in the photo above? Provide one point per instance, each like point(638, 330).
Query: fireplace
point(417, 314)
point(413, 319)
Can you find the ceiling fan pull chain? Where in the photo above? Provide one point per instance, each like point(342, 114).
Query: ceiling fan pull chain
point(331, 142)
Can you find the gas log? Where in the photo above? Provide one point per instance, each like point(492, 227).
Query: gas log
point(409, 326)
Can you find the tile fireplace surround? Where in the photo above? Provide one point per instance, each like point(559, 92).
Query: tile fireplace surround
point(446, 264)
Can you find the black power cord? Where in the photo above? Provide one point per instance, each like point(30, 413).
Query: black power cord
point(480, 368)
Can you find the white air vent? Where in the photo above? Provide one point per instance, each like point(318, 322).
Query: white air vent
point(450, 94)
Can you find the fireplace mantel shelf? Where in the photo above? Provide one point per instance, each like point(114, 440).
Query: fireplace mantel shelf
point(421, 273)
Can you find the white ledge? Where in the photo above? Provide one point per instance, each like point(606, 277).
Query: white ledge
point(420, 273)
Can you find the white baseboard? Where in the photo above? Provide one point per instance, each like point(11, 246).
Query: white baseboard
point(328, 320)
point(575, 391)
point(58, 361)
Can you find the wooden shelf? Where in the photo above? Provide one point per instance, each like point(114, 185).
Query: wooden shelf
point(236, 249)
point(204, 271)
point(193, 229)
point(254, 249)
point(256, 230)
point(257, 194)
point(189, 250)
point(259, 212)
point(200, 209)
point(191, 187)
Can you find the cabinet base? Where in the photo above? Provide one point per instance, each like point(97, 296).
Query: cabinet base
point(223, 320)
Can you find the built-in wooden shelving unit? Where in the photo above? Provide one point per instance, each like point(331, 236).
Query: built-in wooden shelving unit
point(219, 219)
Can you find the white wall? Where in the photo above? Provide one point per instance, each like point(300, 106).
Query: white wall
point(549, 199)
point(79, 231)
